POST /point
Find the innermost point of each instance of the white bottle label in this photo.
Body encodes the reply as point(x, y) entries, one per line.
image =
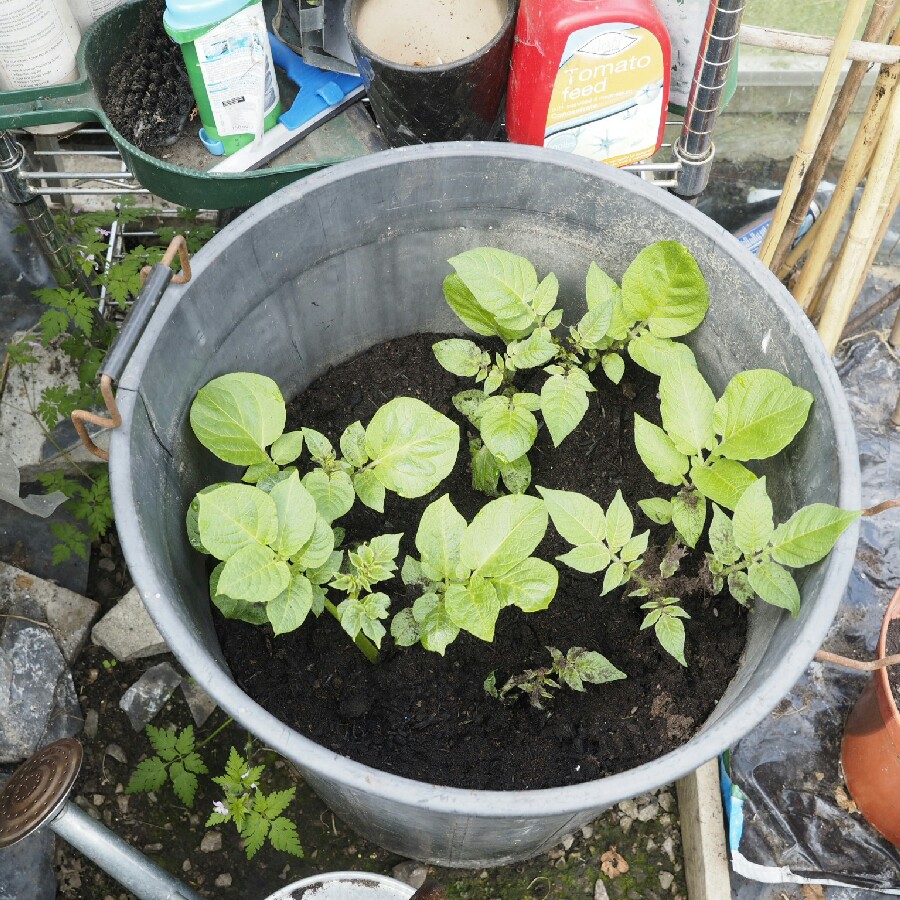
point(87, 12)
point(38, 41)
point(607, 98)
point(236, 63)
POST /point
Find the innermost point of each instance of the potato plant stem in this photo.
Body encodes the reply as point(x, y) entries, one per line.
point(370, 651)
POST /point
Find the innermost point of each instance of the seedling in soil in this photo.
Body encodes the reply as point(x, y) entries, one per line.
point(704, 443)
point(274, 537)
point(469, 572)
point(176, 760)
point(495, 293)
point(574, 669)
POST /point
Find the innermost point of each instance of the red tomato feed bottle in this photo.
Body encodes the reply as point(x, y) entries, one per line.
point(590, 77)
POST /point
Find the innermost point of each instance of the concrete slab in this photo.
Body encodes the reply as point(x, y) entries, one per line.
point(127, 630)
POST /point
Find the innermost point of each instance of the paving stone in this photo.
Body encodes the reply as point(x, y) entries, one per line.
point(147, 696)
point(127, 630)
point(201, 705)
point(26, 868)
point(411, 872)
point(68, 614)
point(38, 703)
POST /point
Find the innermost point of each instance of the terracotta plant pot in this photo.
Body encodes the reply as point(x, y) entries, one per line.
point(870, 752)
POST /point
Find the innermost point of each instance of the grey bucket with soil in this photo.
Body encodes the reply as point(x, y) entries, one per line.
point(354, 256)
point(435, 70)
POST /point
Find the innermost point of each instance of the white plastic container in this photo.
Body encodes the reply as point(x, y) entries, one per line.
point(87, 12)
point(38, 43)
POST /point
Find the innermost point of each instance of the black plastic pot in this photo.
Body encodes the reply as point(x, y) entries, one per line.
point(350, 257)
point(460, 101)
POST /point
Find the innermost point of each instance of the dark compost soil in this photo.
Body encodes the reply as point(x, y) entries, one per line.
point(892, 646)
point(148, 95)
point(427, 717)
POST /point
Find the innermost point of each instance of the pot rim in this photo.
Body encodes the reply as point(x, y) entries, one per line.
point(427, 70)
point(708, 743)
point(886, 702)
point(373, 879)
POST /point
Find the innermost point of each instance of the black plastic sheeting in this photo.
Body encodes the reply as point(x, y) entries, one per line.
point(794, 826)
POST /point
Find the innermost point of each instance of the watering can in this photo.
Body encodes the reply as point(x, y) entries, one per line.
point(37, 794)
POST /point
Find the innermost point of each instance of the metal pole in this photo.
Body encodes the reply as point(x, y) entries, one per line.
point(694, 148)
point(37, 218)
point(129, 867)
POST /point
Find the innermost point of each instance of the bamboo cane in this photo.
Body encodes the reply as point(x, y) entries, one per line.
point(877, 198)
point(858, 159)
point(887, 216)
point(883, 13)
point(814, 127)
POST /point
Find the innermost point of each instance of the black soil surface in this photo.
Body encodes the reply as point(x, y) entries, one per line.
point(147, 94)
point(892, 646)
point(427, 717)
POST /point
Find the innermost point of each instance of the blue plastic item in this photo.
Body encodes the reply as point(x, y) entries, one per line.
point(319, 89)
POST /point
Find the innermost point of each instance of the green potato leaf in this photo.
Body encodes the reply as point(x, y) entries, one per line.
point(287, 448)
point(774, 585)
point(320, 448)
point(237, 416)
point(615, 576)
point(508, 430)
point(587, 558)
point(613, 366)
point(669, 632)
point(657, 510)
point(810, 533)
point(462, 301)
point(254, 573)
point(258, 471)
point(353, 445)
point(485, 468)
point(687, 404)
point(516, 475)
point(531, 585)
point(440, 532)
point(473, 607)
point(564, 402)
point(412, 447)
point(459, 356)
point(594, 325)
point(333, 493)
point(723, 481)
point(289, 609)
point(665, 288)
point(655, 354)
point(545, 295)
point(619, 523)
point(753, 525)
point(689, 516)
point(600, 289)
point(535, 350)
point(318, 549)
point(404, 629)
point(369, 489)
point(296, 516)
point(658, 452)
point(721, 538)
point(254, 613)
point(233, 516)
point(577, 518)
point(759, 414)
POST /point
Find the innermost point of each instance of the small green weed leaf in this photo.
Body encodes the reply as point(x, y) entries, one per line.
point(545, 295)
point(564, 402)
point(254, 832)
point(619, 522)
point(613, 366)
point(753, 525)
point(577, 518)
point(164, 741)
point(254, 573)
point(404, 629)
point(235, 516)
point(775, 585)
point(614, 577)
point(658, 452)
point(320, 448)
point(670, 634)
point(287, 447)
point(296, 517)
point(635, 548)
point(184, 743)
point(665, 288)
point(412, 447)
point(721, 538)
point(317, 550)
point(516, 475)
point(657, 510)
point(587, 558)
point(333, 493)
point(259, 470)
point(535, 350)
point(439, 535)
point(594, 325)
point(810, 533)
point(459, 356)
point(473, 607)
point(369, 489)
point(759, 414)
point(184, 783)
point(503, 534)
point(353, 445)
point(689, 516)
point(462, 301)
point(600, 289)
point(283, 836)
point(485, 468)
point(723, 481)
point(739, 587)
point(194, 763)
point(507, 430)
point(289, 609)
point(655, 353)
point(237, 416)
point(502, 283)
point(254, 613)
point(149, 775)
point(530, 586)
point(687, 404)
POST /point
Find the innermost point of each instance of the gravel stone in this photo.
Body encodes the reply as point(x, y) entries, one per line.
point(411, 873)
point(600, 892)
point(147, 696)
point(212, 842)
point(127, 631)
point(223, 880)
